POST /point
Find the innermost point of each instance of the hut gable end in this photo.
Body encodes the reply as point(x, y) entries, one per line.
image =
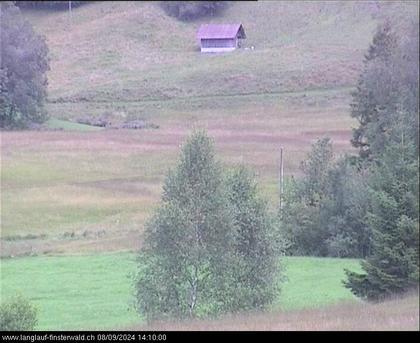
point(220, 37)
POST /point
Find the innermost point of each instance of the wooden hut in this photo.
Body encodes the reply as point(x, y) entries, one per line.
point(220, 37)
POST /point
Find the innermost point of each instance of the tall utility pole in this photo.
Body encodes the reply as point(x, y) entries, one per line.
point(281, 178)
point(70, 12)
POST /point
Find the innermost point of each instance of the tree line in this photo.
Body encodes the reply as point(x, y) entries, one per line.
point(190, 10)
point(366, 205)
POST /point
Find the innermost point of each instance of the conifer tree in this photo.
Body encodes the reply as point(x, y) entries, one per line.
point(376, 89)
point(393, 266)
point(302, 214)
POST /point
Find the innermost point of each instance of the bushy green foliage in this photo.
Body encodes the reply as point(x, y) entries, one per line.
point(24, 63)
point(375, 88)
point(190, 10)
point(316, 169)
point(327, 211)
point(17, 314)
point(393, 266)
point(389, 83)
point(301, 216)
point(258, 244)
point(345, 210)
point(391, 136)
point(324, 210)
point(187, 254)
point(201, 250)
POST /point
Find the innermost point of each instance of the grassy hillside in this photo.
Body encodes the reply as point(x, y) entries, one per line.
point(111, 54)
point(94, 291)
point(86, 190)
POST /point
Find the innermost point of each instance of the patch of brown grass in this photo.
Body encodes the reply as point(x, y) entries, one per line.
point(81, 243)
point(392, 315)
point(59, 181)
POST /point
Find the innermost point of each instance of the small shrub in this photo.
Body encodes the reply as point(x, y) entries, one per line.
point(18, 314)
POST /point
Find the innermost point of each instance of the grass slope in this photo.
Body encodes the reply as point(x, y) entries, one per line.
point(94, 291)
point(73, 292)
point(129, 60)
point(112, 54)
point(54, 123)
point(314, 282)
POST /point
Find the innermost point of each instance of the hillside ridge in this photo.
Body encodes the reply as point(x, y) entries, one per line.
point(133, 51)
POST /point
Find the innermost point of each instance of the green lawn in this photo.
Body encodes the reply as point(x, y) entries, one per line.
point(54, 123)
point(315, 282)
point(94, 291)
point(73, 292)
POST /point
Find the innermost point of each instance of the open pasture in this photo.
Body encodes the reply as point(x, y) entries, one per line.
point(94, 291)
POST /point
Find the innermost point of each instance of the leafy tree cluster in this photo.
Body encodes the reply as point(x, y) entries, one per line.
point(190, 10)
point(23, 66)
point(390, 154)
point(324, 209)
point(393, 266)
point(210, 247)
point(17, 314)
point(368, 206)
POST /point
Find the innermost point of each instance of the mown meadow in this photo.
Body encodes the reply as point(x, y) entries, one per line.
point(94, 291)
